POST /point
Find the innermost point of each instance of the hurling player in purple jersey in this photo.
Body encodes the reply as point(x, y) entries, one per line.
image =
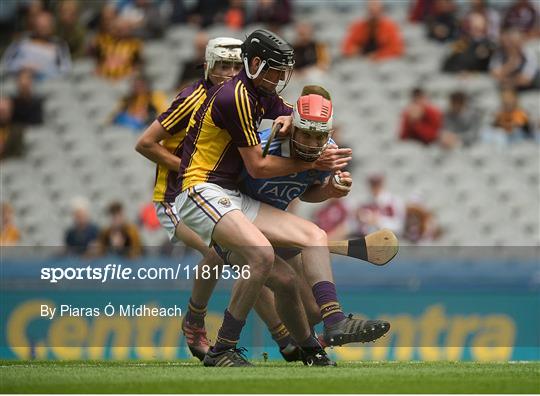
point(162, 142)
point(221, 139)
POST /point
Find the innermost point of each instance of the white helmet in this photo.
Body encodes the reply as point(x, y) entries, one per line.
point(312, 114)
point(225, 49)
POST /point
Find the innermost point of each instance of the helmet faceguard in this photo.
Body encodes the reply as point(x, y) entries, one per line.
point(277, 60)
point(312, 126)
point(224, 52)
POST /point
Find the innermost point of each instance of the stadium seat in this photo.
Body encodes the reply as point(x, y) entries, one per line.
point(477, 193)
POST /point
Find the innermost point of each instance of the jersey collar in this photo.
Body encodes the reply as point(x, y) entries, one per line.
point(207, 84)
point(248, 82)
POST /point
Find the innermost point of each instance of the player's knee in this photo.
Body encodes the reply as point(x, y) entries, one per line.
point(212, 259)
point(260, 261)
point(315, 236)
point(286, 282)
point(290, 283)
point(263, 255)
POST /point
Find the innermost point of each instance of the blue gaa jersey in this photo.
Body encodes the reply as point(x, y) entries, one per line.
point(280, 191)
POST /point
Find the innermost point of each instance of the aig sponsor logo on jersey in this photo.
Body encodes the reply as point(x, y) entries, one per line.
point(282, 191)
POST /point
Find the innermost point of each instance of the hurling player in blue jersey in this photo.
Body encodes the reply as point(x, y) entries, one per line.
point(310, 136)
point(306, 144)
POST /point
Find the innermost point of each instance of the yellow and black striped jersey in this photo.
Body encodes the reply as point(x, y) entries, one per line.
point(227, 118)
point(175, 121)
point(117, 58)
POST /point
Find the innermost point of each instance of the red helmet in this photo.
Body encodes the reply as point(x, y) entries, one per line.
point(312, 120)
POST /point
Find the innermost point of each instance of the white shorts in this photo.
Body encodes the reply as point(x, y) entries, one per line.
point(168, 217)
point(202, 206)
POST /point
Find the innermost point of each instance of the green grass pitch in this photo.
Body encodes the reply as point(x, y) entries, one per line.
point(271, 377)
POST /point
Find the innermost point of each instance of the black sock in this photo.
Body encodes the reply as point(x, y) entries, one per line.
point(281, 335)
point(310, 343)
point(229, 333)
point(195, 314)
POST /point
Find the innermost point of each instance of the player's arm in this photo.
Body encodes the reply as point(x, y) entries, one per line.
point(329, 189)
point(172, 121)
point(233, 110)
point(274, 166)
point(280, 111)
point(149, 146)
point(271, 165)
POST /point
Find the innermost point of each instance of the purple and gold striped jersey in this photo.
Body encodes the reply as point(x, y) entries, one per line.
point(117, 57)
point(227, 119)
point(175, 121)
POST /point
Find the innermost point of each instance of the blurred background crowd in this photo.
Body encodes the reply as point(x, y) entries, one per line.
point(439, 100)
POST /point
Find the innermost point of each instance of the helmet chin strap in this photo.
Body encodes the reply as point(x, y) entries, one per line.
point(261, 90)
point(256, 74)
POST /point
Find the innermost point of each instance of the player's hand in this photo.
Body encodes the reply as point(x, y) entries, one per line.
point(341, 183)
point(333, 159)
point(286, 121)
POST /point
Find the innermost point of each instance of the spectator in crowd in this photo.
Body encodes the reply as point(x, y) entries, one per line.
point(192, 69)
point(522, 16)
point(443, 25)
point(421, 120)
point(179, 12)
point(70, 29)
point(473, 51)
point(11, 134)
point(461, 124)
point(148, 217)
point(145, 16)
point(140, 106)
point(40, 51)
point(27, 107)
point(120, 237)
point(28, 13)
point(9, 233)
point(118, 53)
point(491, 16)
point(376, 37)
point(511, 123)
point(333, 219)
point(420, 10)
point(205, 13)
point(273, 13)
point(384, 210)
point(82, 235)
point(235, 16)
point(311, 56)
point(420, 225)
point(105, 22)
point(513, 65)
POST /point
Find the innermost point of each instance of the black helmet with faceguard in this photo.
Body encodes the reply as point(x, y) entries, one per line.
point(275, 54)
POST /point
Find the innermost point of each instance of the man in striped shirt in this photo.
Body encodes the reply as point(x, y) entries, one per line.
point(118, 53)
